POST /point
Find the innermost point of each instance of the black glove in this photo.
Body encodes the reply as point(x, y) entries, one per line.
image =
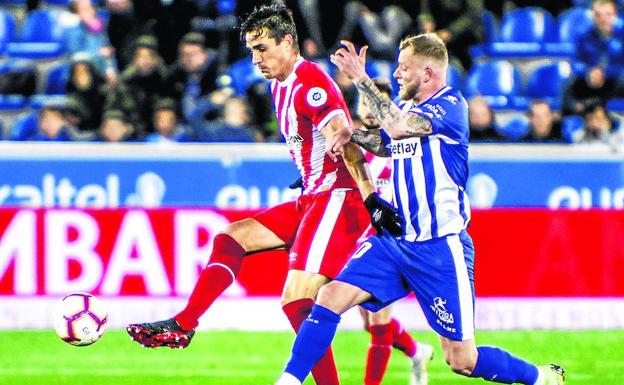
point(296, 184)
point(383, 215)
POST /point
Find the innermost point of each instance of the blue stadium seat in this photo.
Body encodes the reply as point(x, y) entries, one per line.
point(515, 128)
point(39, 101)
point(490, 27)
point(570, 125)
point(7, 29)
point(571, 24)
point(547, 82)
point(12, 102)
point(498, 81)
point(523, 32)
point(24, 127)
point(244, 74)
point(455, 77)
point(41, 36)
point(56, 82)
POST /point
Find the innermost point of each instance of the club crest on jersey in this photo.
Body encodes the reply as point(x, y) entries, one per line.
point(294, 140)
point(316, 96)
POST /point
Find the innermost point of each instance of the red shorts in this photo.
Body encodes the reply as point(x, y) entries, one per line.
point(320, 230)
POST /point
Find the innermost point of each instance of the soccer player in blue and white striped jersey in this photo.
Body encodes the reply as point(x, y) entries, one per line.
point(427, 138)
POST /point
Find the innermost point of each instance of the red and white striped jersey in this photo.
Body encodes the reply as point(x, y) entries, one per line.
point(381, 170)
point(304, 103)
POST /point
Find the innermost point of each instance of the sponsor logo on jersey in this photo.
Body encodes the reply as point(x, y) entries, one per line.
point(316, 96)
point(405, 148)
point(294, 140)
point(439, 308)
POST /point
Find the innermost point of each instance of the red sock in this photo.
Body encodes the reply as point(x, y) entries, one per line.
point(324, 372)
point(221, 270)
point(378, 353)
point(401, 339)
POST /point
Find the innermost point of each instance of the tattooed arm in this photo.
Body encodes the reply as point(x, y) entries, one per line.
point(337, 129)
point(390, 117)
point(371, 141)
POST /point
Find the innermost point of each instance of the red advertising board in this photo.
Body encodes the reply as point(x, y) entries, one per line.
point(519, 252)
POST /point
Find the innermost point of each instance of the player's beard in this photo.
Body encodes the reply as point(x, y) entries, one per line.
point(409, 91)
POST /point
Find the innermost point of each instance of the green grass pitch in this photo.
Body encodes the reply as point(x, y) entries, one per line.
point(256, 358)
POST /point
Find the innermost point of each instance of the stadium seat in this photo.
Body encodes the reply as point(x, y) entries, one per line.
point(41, 36)
point(25, 127)
point(515, 128)
point(38, 101)
point(56, 82)
point(243, 74)
point(498, 81)
point(548, 81)
point(570, 125)
point(12, 102)
point(490, 27)
point(7, 29)
point(571, 24)
point(455, 77)
point(522, 33)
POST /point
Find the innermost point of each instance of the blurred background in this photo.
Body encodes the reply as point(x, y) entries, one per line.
point(133, 131)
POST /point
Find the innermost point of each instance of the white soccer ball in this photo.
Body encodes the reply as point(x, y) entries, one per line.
point(80, 319)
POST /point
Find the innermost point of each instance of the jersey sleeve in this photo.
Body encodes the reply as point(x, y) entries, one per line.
point(448, 115)
point(320, 99)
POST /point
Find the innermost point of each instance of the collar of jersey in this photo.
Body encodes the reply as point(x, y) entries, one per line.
point(293, 75)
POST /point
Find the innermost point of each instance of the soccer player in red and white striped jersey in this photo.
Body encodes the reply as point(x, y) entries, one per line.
point(320, 229)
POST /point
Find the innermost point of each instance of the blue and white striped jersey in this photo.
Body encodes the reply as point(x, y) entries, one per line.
point(429, 173)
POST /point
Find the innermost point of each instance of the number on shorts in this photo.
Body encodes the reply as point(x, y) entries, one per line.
point(364, 248)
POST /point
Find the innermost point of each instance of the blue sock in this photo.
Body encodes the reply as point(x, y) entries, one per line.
point(313, 340)
point(496, 365)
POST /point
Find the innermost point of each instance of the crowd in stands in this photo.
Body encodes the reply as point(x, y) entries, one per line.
point(176, 70)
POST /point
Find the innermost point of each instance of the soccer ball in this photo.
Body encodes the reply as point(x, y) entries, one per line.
point(80, 319)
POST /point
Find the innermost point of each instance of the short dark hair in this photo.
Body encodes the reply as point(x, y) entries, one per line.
point(383, 84)
point(277, 19)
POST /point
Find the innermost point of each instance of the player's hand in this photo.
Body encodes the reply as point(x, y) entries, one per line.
point(335, 145)
point(383, 215)
point(350, 61)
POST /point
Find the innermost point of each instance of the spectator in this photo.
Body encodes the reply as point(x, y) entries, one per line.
point(595, 86)
point(87, 91)
point(603, 44)
point(125, 25)
point(457, 22)
point(192, 82)
point(233, 126)
point(89, 35)
point(383, 30)
point(543, 127)
point(166, 127)
point(481, 121)
point(141, 85)
point(326, 23)
point(53, 127)
point(599, 127)
point(114, 127)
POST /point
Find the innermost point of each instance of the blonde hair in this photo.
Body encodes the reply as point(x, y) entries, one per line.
point(427, 45)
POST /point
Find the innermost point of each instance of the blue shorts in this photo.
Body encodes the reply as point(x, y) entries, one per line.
point(439, 272)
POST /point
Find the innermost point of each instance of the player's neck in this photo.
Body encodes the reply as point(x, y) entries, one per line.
point(289, 68)
point(428, 90)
